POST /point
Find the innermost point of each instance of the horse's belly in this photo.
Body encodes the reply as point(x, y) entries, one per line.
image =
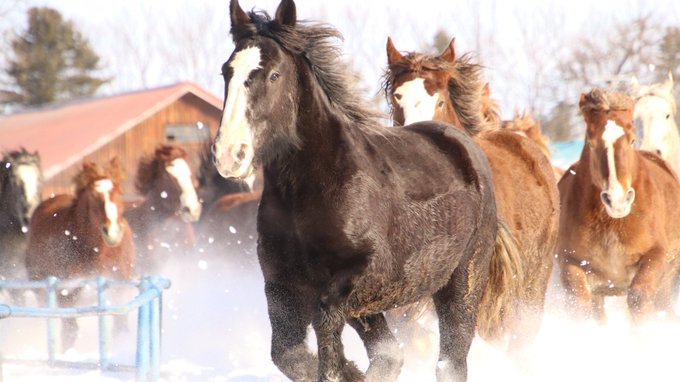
point(384, 287)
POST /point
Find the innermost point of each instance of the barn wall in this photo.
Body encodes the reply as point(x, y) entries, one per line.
point(142, 140)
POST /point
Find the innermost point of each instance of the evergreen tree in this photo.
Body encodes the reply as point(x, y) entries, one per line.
point(52, 61)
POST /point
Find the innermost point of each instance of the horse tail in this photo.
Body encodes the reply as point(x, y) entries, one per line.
point(502, 291)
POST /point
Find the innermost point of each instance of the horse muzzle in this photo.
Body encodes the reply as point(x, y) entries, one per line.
point(618, 204)
point(235, 161)
point(190, 214)
point(112, 234)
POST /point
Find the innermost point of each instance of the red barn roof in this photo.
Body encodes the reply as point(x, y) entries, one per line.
point(64, 133)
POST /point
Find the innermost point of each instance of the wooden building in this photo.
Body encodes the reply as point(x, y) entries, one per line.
point(128, 126)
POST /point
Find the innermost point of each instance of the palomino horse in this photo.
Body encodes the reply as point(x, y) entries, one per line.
point(82, 235)
point(655, 118)
point(161, 224)
point(20, 194)
point(449, 88)
point(355, 218)
point(618, 230)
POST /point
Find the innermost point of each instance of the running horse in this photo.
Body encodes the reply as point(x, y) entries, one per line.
point(449, 88)
point(655, 120)
point(20, 193)
point(355, 218)
point(161, 224)
point(618, 230)
point(82, 236)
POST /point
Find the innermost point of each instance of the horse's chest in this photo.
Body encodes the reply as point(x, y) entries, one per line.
point(611, 263)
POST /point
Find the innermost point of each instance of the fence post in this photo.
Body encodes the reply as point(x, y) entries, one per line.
point(51, 322)
point(142, 361)
point(101, 303)
point(155, 333)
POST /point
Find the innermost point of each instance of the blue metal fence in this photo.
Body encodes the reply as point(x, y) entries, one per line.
point(148, 304)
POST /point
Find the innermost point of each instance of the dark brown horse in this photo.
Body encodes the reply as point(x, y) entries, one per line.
point(161, 224)
point(619, 231)
point(82, 235)
point(20, 193)
point(449, 88)
point(354, 218)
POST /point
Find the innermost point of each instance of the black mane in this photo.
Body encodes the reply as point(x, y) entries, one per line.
point(313, 42)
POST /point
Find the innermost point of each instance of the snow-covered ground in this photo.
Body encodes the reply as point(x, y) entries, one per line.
point(215, 328)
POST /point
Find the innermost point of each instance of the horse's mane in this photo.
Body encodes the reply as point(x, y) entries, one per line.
point(491, 111)
point(150, 166)
point(465, 84)
point(313, 42)
point(601, 100)
point(92, 172)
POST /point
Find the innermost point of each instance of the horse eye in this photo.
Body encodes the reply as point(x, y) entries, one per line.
point(441, 104)
point(397, 96)
point(248, 82)
point(274, 76)
point(632, 142)
point(668, 116)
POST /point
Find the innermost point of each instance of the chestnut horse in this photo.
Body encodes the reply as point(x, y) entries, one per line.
point(449, 88)
point(354, 218)
point(161, 224)
point(619, 231)
point(654, 115)
point(20, 193)
point(82, 236)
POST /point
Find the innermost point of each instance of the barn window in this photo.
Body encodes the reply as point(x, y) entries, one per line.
point(187, 132)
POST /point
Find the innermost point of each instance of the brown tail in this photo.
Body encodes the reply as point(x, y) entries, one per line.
point(502, 291)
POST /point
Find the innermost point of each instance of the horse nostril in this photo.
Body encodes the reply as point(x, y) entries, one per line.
point(658, 152)
point(105, 230)
point(186, 210)
point(630, 195)
point(606, 199)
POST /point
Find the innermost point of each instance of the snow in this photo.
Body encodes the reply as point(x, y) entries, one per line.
point(215, 329)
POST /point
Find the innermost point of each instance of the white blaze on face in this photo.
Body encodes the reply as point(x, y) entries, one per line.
point(114, 231)
point(30, 180)
point(620, 205)
point(234, 150)
point(416, 104)
point(179, 169)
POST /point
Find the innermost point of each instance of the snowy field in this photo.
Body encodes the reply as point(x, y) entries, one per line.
point(215, 328)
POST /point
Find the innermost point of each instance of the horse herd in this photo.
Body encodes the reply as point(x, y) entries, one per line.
point(94, 232)
point(452, 207)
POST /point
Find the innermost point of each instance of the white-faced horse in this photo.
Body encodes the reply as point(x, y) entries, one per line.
point(655, 120)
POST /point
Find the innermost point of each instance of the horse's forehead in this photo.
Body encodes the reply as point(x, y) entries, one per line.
point(178, 167)
point(652, 104)
point(103, 186)
point(246, 60)
point(612, 132)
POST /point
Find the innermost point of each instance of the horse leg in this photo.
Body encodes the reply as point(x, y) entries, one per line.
point(290, 314)
point(578, 292)
point(646, 282)
point(598, 309)
point(69, 326)
point(384, 354)
point(457, 304)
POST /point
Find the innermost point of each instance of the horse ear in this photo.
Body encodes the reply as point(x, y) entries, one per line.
point(449, 54)
point(669, 82)
point(286, 13)
point(486, 91)
point(238, 16)
point(634, 85)
point(393, 54)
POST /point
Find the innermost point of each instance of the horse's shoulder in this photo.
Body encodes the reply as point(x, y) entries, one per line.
point(656, 160)
point(456, 143)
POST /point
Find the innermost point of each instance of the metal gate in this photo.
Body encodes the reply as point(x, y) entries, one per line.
point(148, 304)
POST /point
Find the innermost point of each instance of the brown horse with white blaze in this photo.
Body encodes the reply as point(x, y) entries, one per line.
point(450, 89)
point(618, 230)
point(82, 235)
